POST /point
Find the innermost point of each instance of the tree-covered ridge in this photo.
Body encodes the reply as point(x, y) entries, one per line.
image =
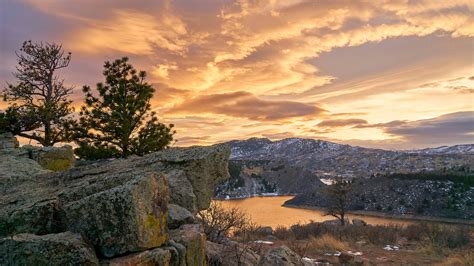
point(462, 175)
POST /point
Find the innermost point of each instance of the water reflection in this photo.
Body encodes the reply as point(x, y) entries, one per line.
point(267, 211)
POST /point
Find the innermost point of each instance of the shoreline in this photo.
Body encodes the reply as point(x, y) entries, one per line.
point(264, 195)
point(408, 217)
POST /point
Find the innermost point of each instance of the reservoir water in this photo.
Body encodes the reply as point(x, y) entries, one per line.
point(268, 211)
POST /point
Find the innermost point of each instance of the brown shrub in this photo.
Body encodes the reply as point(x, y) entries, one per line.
point(327, 243)
point(434, 234)
point(218, 222)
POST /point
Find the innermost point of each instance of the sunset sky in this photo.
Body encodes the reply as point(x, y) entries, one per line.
point(392, 74)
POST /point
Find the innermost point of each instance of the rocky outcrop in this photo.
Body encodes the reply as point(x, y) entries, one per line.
point(13, 168)
point(194, 240)
point(193, 173)
point(52, 158)
point(178, 216)
point(281, 256)
point(28, 161)
point(121, 207)
point(126, 218)
point(54, 249)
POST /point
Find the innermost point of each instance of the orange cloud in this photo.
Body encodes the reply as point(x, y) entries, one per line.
point(244, 104)
point(342, 122)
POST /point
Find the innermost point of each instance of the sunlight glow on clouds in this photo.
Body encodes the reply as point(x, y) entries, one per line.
point(237, 69)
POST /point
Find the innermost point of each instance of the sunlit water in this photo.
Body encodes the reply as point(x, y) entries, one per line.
point(268, 211)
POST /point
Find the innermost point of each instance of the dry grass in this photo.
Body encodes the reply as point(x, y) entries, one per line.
point(462, 259)
point(432, 235)
point(327, 243)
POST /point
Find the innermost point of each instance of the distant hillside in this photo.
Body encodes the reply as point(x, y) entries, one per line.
point(295, 165)
point(456, 149)
point(400, 196)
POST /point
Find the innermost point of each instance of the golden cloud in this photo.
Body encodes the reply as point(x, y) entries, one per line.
point(244, 104)
point(234, 61)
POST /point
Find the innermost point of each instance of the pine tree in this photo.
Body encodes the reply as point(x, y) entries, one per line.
point(119, 122)
point(16, 120)
point(39, 105)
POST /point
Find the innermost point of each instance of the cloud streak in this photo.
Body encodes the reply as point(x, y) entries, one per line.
point(450, 128)
point(247, 105)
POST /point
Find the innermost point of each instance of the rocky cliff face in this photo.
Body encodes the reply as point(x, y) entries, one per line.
point(253, 178)
point(115, 212)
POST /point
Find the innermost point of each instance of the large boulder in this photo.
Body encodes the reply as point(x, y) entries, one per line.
point(52, 158)
point(13, 168)
point(127, 218)
point(281, 256)
point(193, 172)
point(54, 249)
point(194, 240)
point(178, 216)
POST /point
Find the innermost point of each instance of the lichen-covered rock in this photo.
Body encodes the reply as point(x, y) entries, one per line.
point(194, 240)
point(182, 190)
point(178, 253)
point(119, 211)
point(43, 217)
point(281, 256)
point(52, 158)
point(54, 249)
point(201, 167)
point(119, 205)
point(14, 169)
point(126, 218)
point(152, 257)
point(178, 216)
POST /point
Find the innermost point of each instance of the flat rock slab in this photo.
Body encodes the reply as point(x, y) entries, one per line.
point(54, 249)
